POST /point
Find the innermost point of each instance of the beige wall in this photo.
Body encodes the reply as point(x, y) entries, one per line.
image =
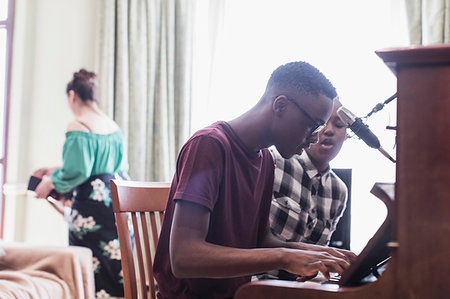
point(52, 39)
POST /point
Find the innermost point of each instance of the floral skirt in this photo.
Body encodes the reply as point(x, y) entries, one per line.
point(92, 224)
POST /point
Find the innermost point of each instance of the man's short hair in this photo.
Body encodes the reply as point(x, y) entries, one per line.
point(303, 77)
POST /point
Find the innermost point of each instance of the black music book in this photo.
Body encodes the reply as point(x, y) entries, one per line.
point(34, 182)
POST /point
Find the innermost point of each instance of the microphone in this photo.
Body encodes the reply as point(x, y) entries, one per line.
point(361, 130)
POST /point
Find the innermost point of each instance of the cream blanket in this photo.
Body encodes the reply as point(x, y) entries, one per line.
point(28, 271)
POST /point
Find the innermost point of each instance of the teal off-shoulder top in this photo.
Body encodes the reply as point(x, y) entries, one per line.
point(86, 154)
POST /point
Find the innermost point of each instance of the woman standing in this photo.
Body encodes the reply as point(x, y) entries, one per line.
point(93, 153)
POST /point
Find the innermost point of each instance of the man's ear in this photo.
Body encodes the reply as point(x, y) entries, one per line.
point(279, 105)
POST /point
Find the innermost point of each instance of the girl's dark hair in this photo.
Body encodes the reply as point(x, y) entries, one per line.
point(83, 85)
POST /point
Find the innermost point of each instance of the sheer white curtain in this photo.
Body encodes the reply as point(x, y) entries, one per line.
point(208, 35)
point(338, 37)
point(145, 79)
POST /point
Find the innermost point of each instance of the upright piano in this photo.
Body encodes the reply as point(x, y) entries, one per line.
point(418, 220)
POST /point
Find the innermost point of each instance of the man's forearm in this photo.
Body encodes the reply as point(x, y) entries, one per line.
point(215, 261)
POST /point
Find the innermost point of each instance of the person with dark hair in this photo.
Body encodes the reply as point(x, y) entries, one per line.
point(215, 233)
point(93, 153)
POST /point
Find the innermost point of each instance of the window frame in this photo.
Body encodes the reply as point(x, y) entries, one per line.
point(7, 24)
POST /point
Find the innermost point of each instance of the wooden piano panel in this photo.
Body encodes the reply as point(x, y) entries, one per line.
point(423, 176)
point(420, 266)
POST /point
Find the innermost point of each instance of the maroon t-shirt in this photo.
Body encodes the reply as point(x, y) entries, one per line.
point(216, 170)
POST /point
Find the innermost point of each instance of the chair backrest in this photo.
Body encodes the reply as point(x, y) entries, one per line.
point(142, 203)
point(341, 236)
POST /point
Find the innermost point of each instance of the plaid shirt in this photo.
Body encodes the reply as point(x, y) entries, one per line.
point(306, 205)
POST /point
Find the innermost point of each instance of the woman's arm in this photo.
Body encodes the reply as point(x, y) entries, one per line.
point(44, 171)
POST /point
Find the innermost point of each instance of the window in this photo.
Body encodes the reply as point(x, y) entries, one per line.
point(338, 37)
point(6, 30)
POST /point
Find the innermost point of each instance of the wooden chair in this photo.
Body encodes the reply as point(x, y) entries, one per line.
point(142, 203)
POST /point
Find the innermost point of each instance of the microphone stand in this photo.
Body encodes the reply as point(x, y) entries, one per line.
point(380, 106)
point(386, 154)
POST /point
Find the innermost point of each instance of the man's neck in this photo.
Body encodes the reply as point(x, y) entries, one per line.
point(252, 128)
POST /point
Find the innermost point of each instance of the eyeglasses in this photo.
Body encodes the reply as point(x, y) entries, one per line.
point(317, 126)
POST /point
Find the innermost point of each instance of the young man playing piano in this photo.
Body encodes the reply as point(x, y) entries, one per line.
point(308, 197)
point(215, 233)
